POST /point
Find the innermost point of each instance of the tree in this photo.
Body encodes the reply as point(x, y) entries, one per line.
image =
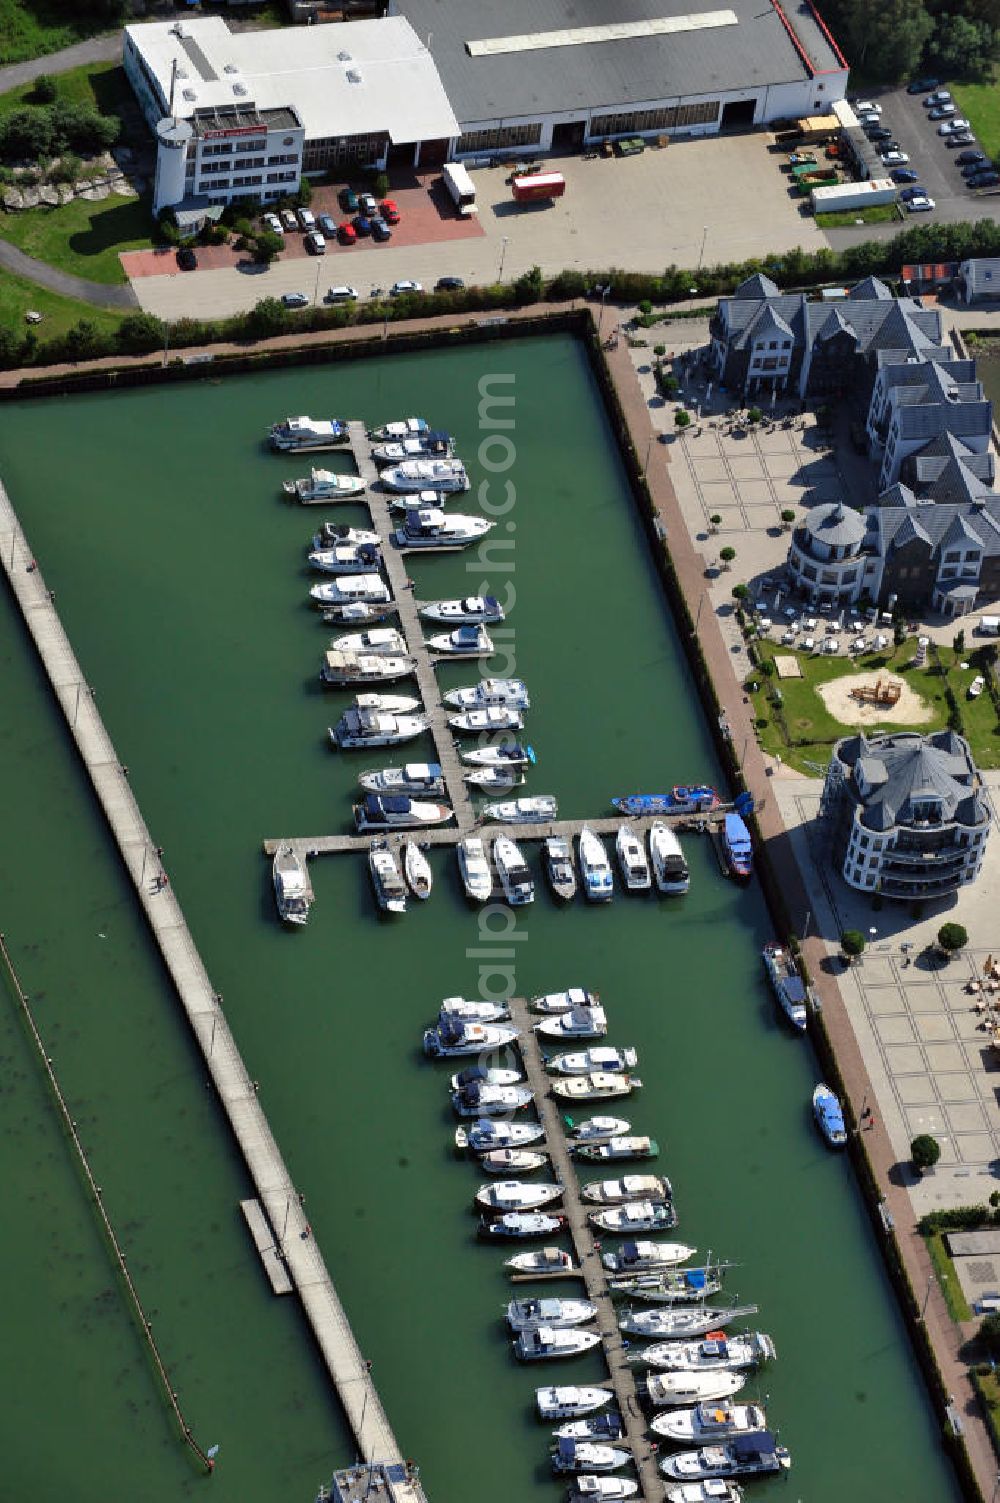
point(727, 555)
point(11, 347)
point(44, 91)
point(381, 185)
point(787, 517)
point(140, 332)
point(989, 1334)
point(952, 937)
point(887, 40)
point(715, 520)
point(754, 415)
point(26, 134)
point(958, 642)
point(740, 592)
point(682, 418)
point(83, 341)
point(924, 1151)
point(852, 942)
point(529, 286)
point(304, 193)
point(963, 47)
point(268, 317)
point(267, 246)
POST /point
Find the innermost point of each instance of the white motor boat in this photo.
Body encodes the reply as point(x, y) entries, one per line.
point(390, 889)
point(489, 1136)
point(469, 610)
point(300, 435)
point(526, 1314)
point(571, 1455)
point(597, 1129)
point(615, 1192)
point(578, 1023)
point(670, 870)
point(502, 693)
point(486, 721)
point(453, 1039)
point(557, 859)
point(340, 668)
point(512, 869)
point(632, 861)
point(605, 1427)
point(335, 535)
point(505, 755)
point(570, 1402)
point(535, 809)
point(429, 527)
point(713, 1353)
point(787, 985)
point(447, 475)
point(512, 1160)
point(553, 1003)
point(370, 589)
point(463, 642)
point(383, 641)
point(666, 1390)
point(324, 485)
point(677, 1324)
point(398, 451)
point(590, 1487)
point(292, 892)
point(647, 1257)
point(712, 1490)
point(638, 1147)
point(598, 1086)
point(372, 728)
point(756, 1455)
point(495, 779)
point(635, 1216)
point(382, 811)
point(417, 870)
point(505, 1195)
point(708, 1422)
point(543, 1260)
point(595, 868)
point(412, 777)
point(346, 558)
point(477, 877)
point(399, 429)
point(485, 1075)
point(521, 1224)
point(543, 1342)
point(434, 499)
point(490, 1101)
point(585, 1061)
point(391, 704)
point(359, 613)
point(474, 1012)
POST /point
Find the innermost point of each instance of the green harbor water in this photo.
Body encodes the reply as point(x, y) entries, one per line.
point(181, 579)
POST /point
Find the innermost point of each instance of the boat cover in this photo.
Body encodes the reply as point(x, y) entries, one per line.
point(377, 805)
point(749, 1447)
point(694, 1278)
point(794, 988)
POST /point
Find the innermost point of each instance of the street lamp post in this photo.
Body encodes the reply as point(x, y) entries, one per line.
point(927, 1295)
point(701, 253)
point(503, 252)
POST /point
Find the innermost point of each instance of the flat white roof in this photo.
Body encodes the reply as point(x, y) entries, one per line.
point(343, 79)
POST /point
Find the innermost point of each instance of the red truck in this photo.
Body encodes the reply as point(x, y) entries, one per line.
point(538, 187)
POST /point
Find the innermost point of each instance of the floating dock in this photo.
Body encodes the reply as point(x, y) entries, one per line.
point(266, 1245)
point(237, 1093)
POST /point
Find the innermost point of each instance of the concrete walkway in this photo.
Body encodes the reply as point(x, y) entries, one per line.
point(63, 282)
point(102, 49)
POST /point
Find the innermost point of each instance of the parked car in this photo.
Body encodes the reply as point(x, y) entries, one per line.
point(895, 158)
point(295, 300)
point(390, 211)
point(959, 138)
point(964, 158)
point(903, 175)
point(288, 220)
point(984, 179)
point(380, 230)
point(869, 119)
point(877, 133)
point(449, 284)
point(951, 127)
point(399, 288)
point(942, 112)
point(306, 218)
point(342, 294)
point(348, 200)
point(273, 223)
point(368, 204)
point(940, 96)
point(973, 169)
point(922, 85)
point(866, 107)
point(328, 225)
point(315, 243)
point(911, 193)
point(346, 233)
point(362, 224)
point(186, 258)
point(920, 205)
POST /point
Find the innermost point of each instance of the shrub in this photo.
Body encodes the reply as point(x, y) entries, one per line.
point(715, 519)
point(682, 418)
point(788, 516)
point(645, 307)
point(761, 722)
point(381, 188)
point(529, 286)
point(66, 170)
point(924, 1151)
point(304, 193)
point(952, 937)
point(852, 943)
point(267, 246)
point(45, 90)
point(727, 554)
point(268, 317)
point(659, 350)
point(138, 333)
point(243, 228)
point(754, 415)
point(740, 592)
point(667, 383)
point(958, 642)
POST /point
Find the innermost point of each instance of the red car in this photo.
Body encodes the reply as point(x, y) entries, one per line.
point(390, 211)
point(346, 233)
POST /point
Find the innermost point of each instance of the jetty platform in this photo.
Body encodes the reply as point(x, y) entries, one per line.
point(550, 1113)
point(237, 1092)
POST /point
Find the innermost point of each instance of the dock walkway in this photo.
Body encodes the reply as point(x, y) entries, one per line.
point(237, 1092)
point(622, 1375)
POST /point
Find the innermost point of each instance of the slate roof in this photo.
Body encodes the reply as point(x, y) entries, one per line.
point(981, 276)
point(899, 324)
point(835, 524)
point(869, 287)
point(946, 469)
point(905, 768)
point(892, 527)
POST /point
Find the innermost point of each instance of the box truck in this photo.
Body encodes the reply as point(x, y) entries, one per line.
point(846, 196)
point(461, 187)
point(540, 187)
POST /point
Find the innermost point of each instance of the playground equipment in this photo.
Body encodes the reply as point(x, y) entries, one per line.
point(884, 693)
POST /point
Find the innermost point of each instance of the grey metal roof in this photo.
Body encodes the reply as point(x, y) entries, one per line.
point(913, 768)
point(868, 288)
point(835, 524)
point(982, 276)
point(607, 74)
point(900, 324)
point(895, 526)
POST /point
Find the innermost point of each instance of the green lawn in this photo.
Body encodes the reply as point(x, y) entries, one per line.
point(989, 1390)
point(813, 730)
point(103, 86)
point(980, 104)
point(958, 1307)
point(82, 237)
point(31, 28)
point(58, 313)
point(877, 214)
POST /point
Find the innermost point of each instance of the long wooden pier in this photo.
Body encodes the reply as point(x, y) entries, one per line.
point(550, 1114)
point(237, 1092)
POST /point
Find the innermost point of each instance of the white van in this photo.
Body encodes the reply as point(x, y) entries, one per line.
point(988, 626)
point(306, 218)
point(315, 242)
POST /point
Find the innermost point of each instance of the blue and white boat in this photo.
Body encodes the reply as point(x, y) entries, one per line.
point(306, 434)
point(683, 798)
point(400, 428)
point(789, 988)
point(829, 1116)
point(737, 847)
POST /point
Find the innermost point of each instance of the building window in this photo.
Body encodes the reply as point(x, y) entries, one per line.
point(248, 162)
point(213, 185)
point(635, 122)
point(217, 149)
point(282, 177)
point(498, 137)
point(246, 182)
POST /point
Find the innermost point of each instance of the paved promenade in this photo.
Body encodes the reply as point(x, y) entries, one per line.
point(237, 1092)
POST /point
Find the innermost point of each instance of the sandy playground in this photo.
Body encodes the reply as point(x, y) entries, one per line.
point(838, 697)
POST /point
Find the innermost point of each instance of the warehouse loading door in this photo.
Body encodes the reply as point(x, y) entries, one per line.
point(738, 114)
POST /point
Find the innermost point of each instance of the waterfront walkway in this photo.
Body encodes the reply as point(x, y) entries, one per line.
point(550, 1113)
point(237, 1092)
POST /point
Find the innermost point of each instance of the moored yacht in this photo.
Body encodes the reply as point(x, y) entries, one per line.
point(305, 434)
point(597, 1129)
point(359, 613)
point(390, 889)
point(552, 1003)
point(585, 1061)
point(543, 1342)
point(618, 1148)
point(512, 869)
point(578, 1023)
point(533, 810)
point(632, 861)
point(608, 1426)
point(334, 535)
point(641, 1257)
point(453, 1039)
point(712, 1490)
point(737, 847)
point(570, 1455)
point(429, 527)
point(829, 1115)
point(447, 475)
point(370, 589)
point(340, 668)
point(670, 1286)
point(417, 870)
point(430, 445)
point(346, 558)
point(398, 429)
point(590, 1487)
point(412, 777)
point(708, 1422)
point(490, 1101)
point(474, 1012)
point(502, 693)
point(557, 861)
point(383, 641)
point(292, 892)
point(787, 985)
point(505, 1195)
point(380, 811)
point(676, 1323)
point(474, 868)
point(684, 798)
point(755, 1455)
point(522, 1224)
point(485, 1075)
point(598, 1086)
point(635, 1216)
point(595, 868)
point(391, 704)
point(614, 1192)
point(543, 1260)
point(569, 1401)
point(494, 779)
point(670, 870)
point(463, 642)
point(667, 1390)
point(488, 1135)
point(373, 728)
point(324, 485)
point(486, 721)
point(512, 1160)
point(749, 1350)
point(467, 610)
point(506, 754)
